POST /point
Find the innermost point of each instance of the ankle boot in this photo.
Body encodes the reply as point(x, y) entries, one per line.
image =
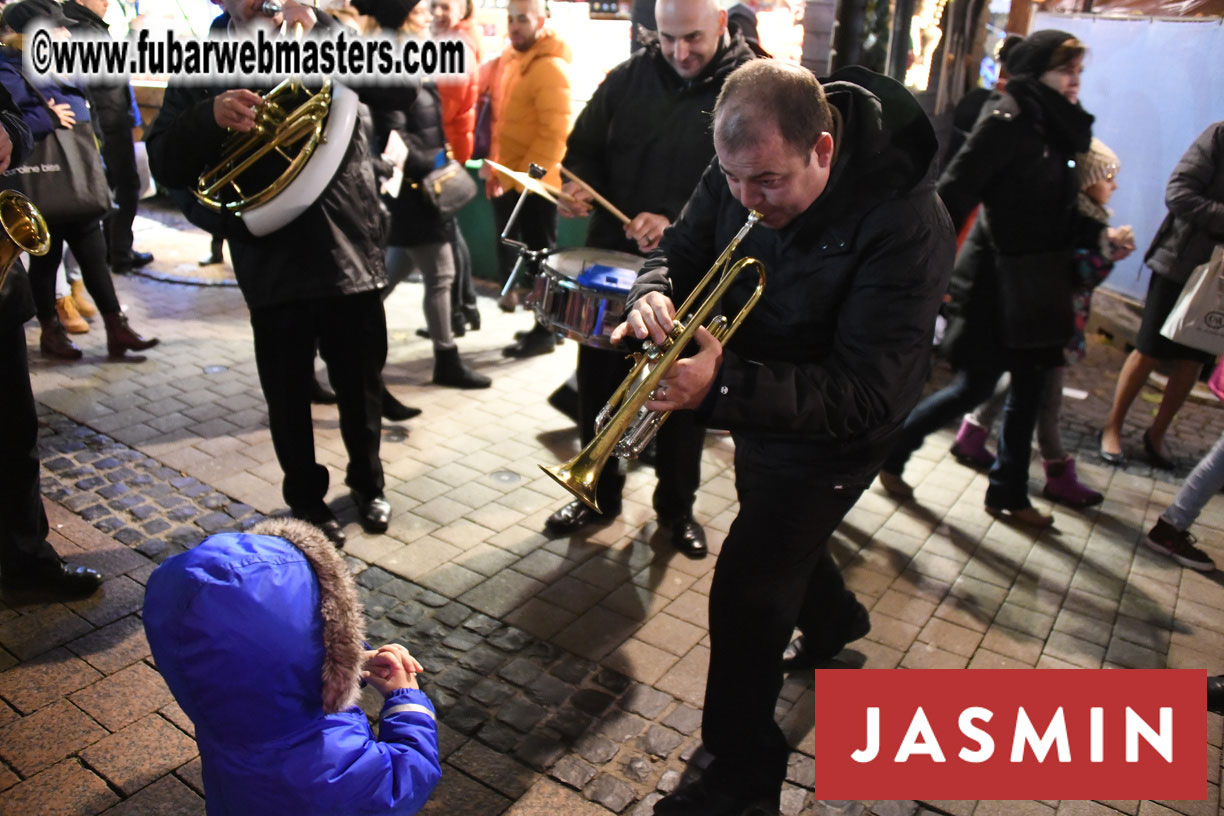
point(970, 445)
point(121, 338)
point(458, 324)
point(72, 321)
point(1063, 486)
point(54, 341)
point(449, 370)
point(83, 304)
point(395, 410)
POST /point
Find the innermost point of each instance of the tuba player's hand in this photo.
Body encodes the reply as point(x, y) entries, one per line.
point(235, 109)
point(297, 14)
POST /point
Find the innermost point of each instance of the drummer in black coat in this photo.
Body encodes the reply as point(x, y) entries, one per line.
point(643, 141)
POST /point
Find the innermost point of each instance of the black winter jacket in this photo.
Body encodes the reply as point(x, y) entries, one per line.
point(645, 137)
point(417, 117)
point(333, 248)
point(1027, 190)
point(1195, 198)
point(824, 371)
point(110, 103)
point(16, 303)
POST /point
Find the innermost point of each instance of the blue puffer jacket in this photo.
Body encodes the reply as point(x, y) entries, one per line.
point(259, 637)
point(33, 108)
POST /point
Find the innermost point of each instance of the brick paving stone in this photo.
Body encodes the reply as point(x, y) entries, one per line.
point(67, 789)
point(620, 726)
point(547, 798)
point(44, 680)
point(596, 749)
point(573, 772)
point(30, 635)
point(140, 753)
point(47, 736)
point(459, 793)
point(660, 741)
point(123, 697)
point(539, 751)
point(647, 701)
point(521, 714)
point(549, 691)
point(500, 772)
point(684, 719)
point(165, 797)
point(614, 794)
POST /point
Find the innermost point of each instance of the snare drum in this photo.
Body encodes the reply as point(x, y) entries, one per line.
point(581, 293)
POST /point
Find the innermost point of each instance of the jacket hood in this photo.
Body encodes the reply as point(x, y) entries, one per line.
point(257, 634)
point(548, 44)
point(885, 137)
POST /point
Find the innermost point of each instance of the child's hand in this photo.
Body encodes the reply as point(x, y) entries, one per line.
point(1121, 242)
point(391, 668)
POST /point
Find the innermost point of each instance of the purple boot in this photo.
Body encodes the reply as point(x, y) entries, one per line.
point(1063, 486)
point(970, 446)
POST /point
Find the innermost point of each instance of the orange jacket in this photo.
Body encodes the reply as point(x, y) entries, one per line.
point(531, 107)
point(459, 96)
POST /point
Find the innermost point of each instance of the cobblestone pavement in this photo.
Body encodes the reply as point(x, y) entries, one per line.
point(568, 673)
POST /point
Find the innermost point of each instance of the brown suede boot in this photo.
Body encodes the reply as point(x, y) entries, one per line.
point(83, 304)
point(54, 341)
point(71, 320)
point(121, 338)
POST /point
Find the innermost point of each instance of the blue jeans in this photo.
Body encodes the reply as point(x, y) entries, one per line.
point(1009, 477)
point(1203, 482)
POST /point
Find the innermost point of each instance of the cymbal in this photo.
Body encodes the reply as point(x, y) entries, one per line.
point(530, 184)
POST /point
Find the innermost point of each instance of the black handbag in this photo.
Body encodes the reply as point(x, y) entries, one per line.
point(1035, 306)
point(448, 188)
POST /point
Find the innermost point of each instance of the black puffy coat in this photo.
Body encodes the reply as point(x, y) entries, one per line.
point(110, 103)
point(333, 248)
point(645, 137)
point(1027, 188)
point(417, 117)
point(823, 372)
point(1195, 198)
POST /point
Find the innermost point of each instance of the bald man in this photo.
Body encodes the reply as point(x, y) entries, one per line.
point(643, 141)
point(815, 384)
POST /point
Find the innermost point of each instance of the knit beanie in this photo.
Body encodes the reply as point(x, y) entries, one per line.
point(1031, 56)
point(1098, 164)
point(18, 15)
point(389, 13)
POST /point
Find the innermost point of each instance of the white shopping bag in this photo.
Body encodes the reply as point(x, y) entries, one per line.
point(1197, 319)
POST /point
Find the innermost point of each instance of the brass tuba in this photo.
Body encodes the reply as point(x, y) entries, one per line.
point(271, 174)
point(624, 427)
point(24, 230)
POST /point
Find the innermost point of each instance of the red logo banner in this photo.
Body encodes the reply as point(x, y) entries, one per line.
point(1010, 734)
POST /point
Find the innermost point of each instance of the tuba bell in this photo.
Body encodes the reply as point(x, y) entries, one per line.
point(271, 174)
point(624, 427)
point(24, 230)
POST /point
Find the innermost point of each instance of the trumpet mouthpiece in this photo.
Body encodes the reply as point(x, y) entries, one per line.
point(269, 8)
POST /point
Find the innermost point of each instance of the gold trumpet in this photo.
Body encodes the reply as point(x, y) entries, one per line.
point(624, 427)
point(24, 230)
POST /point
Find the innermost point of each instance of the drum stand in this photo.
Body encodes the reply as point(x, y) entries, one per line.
point(525, 253)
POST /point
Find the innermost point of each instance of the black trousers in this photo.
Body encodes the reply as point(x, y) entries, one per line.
point(678, 446)
point(536, 226)
point(119, 153)
point(774, 573)
point(89, 246)
point(23, 521)
point(463, 290)
point(350, 332)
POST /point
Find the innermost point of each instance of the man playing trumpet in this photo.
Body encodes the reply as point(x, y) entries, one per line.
point(313, 282)
point(814, 385)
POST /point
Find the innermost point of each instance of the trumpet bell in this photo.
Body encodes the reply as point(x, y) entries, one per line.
point(579, 477)
point(25, 230)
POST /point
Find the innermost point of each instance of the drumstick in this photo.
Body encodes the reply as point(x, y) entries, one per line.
point(607, 205)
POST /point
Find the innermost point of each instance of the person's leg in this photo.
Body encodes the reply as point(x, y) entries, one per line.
point(760, 586)
point(1049, 413)
point(968, 389)
point(1182, 378)
point(1204, 481)
point(399, 267)
point(678, 467)
point(353, 344)
point(42, 270)
point(1009, 477)
point(988, 412)
point(436, 262)
point(1134, 373)
point(89, 246)
point(285, 337)
point(120, 155)
point(465, 286)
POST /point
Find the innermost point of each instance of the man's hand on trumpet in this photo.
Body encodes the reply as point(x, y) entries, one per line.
point(690, 378)
point(646, 228)
point(294, 14)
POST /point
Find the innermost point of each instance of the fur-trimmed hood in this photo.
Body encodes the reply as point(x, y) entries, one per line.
point(258, 634)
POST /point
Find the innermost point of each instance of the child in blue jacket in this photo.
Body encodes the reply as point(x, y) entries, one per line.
point(259, 636)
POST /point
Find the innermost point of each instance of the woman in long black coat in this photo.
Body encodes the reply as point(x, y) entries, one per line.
point(1019, 165)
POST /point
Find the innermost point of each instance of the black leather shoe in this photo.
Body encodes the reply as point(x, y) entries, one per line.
point(1215, 694)
point(472, 316)
point(531, 344)
point(49, 580)
point(574, 516)
point(698, 799)
point(1115, 459)
point(1153, 456)
point(802, 655)
point(395, 410)
point(688, 537)
point(321, 394)
point(125, 262)
point(374, 511)
point(323, 518)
